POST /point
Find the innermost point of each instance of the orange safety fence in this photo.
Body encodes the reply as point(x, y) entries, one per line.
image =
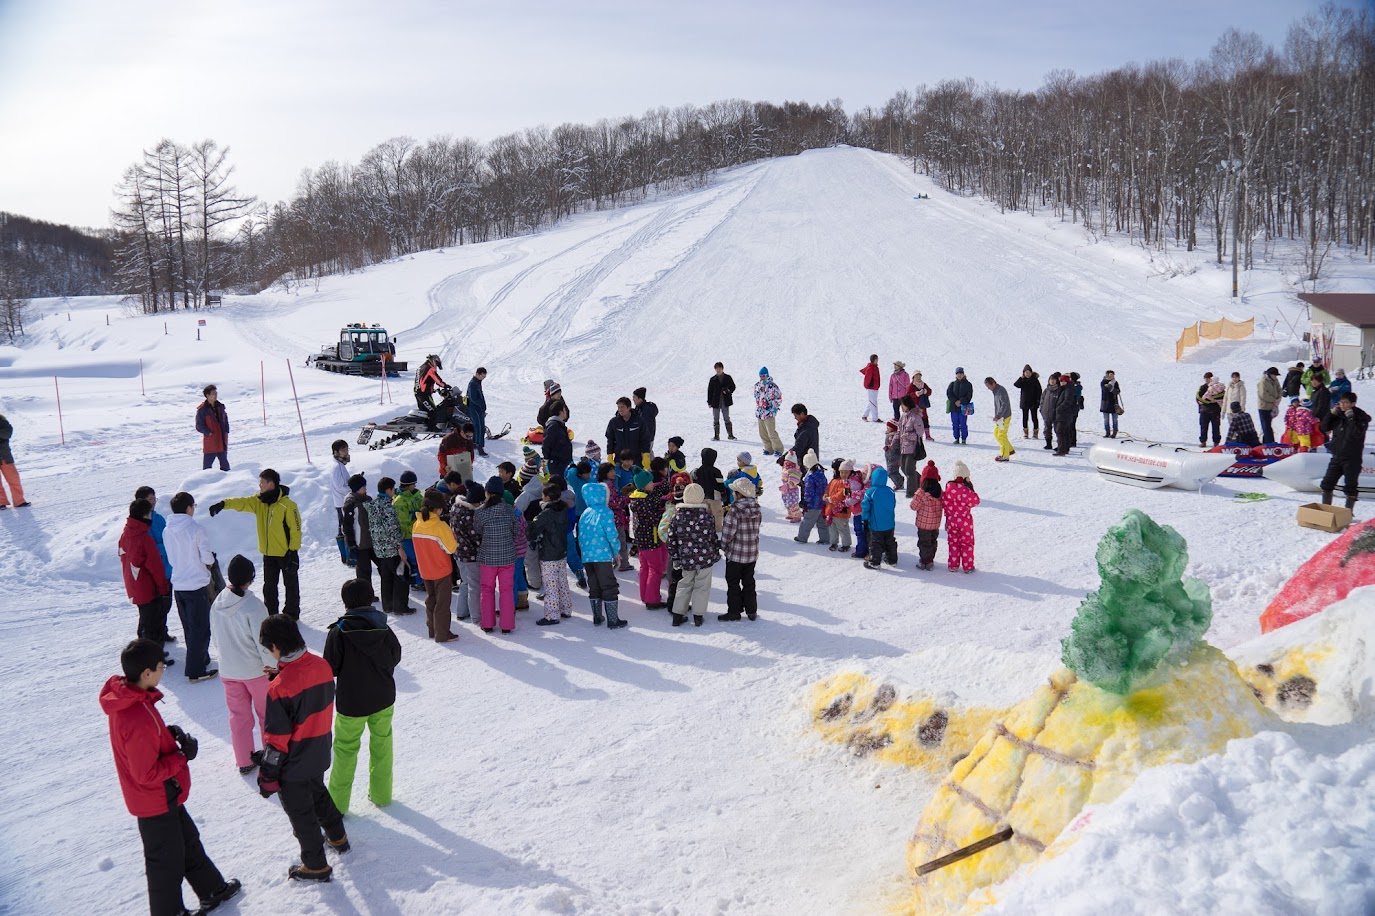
point(1213, 330)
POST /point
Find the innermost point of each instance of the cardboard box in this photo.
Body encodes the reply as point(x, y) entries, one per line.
point(1324, 518)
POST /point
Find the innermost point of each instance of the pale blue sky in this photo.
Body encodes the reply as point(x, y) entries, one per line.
point(288, 84)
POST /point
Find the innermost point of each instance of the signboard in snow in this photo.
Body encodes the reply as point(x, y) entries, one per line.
point(1347, 335)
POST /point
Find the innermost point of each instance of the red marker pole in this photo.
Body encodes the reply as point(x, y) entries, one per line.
point(299, 419)
point(61, 432)
point(141, 388)
point(262, 386)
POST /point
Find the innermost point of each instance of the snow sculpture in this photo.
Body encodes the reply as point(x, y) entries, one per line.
point(1344, 564)
point(1143, 611)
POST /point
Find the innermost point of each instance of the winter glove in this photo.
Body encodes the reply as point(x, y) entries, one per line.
point(293, 559)
point(270, 772)
point(216, 508)
point(189, 745)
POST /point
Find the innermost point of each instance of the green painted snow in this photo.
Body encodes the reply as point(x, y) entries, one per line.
point(1144, 610)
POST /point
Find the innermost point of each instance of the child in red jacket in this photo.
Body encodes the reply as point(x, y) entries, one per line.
point(298, 738)
point(152, 759)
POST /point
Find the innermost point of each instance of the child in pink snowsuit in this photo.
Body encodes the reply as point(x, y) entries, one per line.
point(791, 487)
point(958, 500)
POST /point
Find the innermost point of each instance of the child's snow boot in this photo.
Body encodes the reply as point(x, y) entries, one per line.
point(522, 601)
point(613, 619)
point(340, 845)
point(596, 611)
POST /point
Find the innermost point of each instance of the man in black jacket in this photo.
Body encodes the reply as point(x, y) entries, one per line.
point(649, 416)
point(363, 652)
point(1345, 429)
point(625, 430)
point(557, 448)
point(719, 392)
point(808, 434)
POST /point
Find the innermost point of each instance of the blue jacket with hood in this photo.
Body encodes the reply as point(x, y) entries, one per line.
point(598, 539)
point(879, 508)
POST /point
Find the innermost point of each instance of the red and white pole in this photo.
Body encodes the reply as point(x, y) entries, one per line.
point(299, 418)
point(61, 432)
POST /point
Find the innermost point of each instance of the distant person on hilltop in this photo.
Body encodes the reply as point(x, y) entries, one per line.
point(720, 389)
point(8, 470)
point(212, 422)
point(1029, 384)
point(871, 386)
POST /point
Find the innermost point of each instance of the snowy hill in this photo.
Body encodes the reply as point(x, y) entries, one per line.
point(652, 769)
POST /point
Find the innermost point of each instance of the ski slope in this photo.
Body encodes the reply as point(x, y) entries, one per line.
point(568, 769)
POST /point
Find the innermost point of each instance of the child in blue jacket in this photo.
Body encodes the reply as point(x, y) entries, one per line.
point(879, 511)
point(813, 501)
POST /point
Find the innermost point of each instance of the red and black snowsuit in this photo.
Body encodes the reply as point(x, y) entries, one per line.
point(145, 580)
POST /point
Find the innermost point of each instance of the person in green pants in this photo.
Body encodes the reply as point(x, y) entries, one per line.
point(363, 652)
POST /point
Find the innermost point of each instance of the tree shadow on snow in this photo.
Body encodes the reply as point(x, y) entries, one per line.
point(641, 642)
point(386, 860)
point(1030, 588)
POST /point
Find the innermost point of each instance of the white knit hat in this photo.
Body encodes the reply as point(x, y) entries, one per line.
point(810, 460)
point(960, 470)
point(693, 495)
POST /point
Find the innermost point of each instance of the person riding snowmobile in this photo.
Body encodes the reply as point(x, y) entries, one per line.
point(428, 382)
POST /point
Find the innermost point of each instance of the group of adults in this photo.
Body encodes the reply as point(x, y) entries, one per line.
point(1311, 387)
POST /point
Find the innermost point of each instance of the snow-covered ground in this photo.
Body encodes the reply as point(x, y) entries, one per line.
point(652, 769)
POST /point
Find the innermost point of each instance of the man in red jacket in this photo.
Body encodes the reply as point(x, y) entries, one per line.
point(300, 711)
point(212, 422)
point(871, 383)
point(145, 581)
point(152, 762)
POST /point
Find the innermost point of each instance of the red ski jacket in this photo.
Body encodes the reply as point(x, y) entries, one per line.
point(300, 711)
point(213, 425)
point(144, 577)
point(146, 754)
point(870, 373)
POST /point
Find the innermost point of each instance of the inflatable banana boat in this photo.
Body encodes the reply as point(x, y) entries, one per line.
point(1152, 466)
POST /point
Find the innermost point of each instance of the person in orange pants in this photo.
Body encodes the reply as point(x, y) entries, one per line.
point(8, 470)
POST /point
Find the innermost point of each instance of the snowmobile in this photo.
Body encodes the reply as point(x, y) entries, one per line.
point(420, 423)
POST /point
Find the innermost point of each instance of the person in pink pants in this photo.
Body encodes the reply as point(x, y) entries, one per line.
point(500, 579)
point(235, 618)
point(958, 501)
point(495, 525)
point(653, 566)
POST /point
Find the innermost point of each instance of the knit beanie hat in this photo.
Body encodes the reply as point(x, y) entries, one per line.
point(743, 486)
point(744, 458)
point(593, 451)
point(693, 495)
point(930, 472)
point(639, 393)
point(357, 482)
point(763, 370)
point(473, 493)
point(643, 479)
point(676, 440)
point(892, 425)
point(531, 466)
point(961, 470)
point(494, 486)
point(508, 498)
point(847, 465)
point(240, 570)
point(407, 477)
point(553, 388)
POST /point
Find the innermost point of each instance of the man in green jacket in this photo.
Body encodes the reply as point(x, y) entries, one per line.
point(279, 538)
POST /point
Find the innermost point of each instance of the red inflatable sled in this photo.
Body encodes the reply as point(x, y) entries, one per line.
point(1326, 578)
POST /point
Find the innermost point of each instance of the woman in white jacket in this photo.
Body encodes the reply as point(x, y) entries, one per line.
point(235, 618)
